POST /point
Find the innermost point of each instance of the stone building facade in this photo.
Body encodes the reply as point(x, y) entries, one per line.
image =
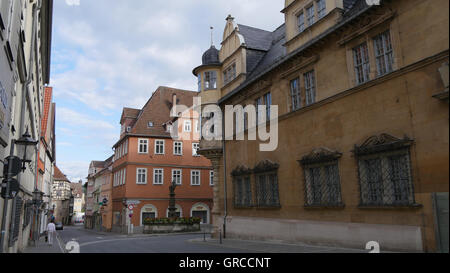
point(61, 197)
point(362, 154)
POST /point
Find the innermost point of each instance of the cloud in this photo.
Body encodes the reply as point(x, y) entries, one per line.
point(110, 54)
point(73, 2)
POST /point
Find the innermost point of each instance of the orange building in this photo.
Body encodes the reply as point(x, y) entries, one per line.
point(148, 159)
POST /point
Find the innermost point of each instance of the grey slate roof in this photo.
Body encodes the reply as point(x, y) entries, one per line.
point(271, 45)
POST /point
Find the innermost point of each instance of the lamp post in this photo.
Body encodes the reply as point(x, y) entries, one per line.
point(37, 202)
point(11, 167)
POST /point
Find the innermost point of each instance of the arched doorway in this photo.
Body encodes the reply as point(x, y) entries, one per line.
point(200, 210)
point(148, 211)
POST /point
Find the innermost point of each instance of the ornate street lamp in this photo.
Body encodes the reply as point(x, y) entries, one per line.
point(22, 143)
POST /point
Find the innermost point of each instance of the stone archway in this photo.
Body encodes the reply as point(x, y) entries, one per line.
point(202, 211)
point(148, 210)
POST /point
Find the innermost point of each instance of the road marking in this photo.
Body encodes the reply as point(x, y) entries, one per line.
point(59, 243)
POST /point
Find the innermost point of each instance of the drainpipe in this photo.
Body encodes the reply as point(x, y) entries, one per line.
point(224, 177)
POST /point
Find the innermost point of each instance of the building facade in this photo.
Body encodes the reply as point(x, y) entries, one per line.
point(46, 155)
point(92, 195)
point(61, 197)
point(362, 125)
point(25, 39)
point(148, 159)
point(78, 202)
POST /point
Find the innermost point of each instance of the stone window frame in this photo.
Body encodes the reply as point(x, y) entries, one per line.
point(320, 159)
point(387, 23)
point(195, 154)
point(229, 73)
point(310, 87)
point(211, 178)
point(242, 187)
point(266, 169)
point(384, 148)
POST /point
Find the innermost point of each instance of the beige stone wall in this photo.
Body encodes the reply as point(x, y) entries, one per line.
point(345, 115)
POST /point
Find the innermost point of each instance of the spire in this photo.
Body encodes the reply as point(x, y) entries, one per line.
point(212, 30)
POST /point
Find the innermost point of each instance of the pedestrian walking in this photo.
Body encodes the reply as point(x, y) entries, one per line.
point(51, 228)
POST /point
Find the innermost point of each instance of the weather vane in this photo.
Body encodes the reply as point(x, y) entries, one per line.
point(212, 29)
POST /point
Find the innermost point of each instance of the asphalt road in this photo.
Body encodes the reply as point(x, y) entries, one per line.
point(92, 242)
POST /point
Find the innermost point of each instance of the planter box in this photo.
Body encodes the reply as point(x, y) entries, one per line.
point(170, 228)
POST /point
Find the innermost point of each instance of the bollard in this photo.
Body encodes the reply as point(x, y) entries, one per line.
point(204, 236)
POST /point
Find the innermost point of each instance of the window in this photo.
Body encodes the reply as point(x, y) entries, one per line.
point(267, 190)
point(178, 148)
point(229, 74)
point(195, 147)
point(322, 184)
point(259, 112)
point(295, 95)
point(187, 125)
point(384, 171)
point(383, 53)
point(143, 146)
point(176, 176)
point(199, 77)
point(310, 87)
point(310, 15)
point(159, 147)
point(195, 178)
point(150, 124)
point(268, 101)
point(141, 174)
point(126, 146)
point(301, 22)
point(124, 176)
point(210, 81)
point(242, 191)
point(362, 63)
point(321, 8)
point(158, 176)
point(211, 178)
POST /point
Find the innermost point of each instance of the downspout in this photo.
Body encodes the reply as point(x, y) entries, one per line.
point(224, 177)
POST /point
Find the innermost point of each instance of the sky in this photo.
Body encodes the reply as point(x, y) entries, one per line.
point(110, 54)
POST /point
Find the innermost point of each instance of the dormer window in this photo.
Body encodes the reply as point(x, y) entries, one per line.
point(150, 124)
point(210, 80)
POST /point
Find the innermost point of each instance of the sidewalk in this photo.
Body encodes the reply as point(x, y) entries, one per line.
point(44, 247)
point(274, 247)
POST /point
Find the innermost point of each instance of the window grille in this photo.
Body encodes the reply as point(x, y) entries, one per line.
point(384, 171)
point(310, 87)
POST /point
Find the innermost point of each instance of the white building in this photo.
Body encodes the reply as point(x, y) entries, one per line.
point(25, 39)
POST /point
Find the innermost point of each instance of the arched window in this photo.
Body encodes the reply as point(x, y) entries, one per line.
point(201, 211)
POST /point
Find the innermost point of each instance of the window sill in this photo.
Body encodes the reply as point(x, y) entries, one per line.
point(324, 206)
point(391, 207)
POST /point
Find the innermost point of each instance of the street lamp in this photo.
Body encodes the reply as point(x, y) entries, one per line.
point(11, 167)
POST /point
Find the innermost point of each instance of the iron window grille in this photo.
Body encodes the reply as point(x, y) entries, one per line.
point(266, 184)
point(322, 179)
point(242, 187)
point(384, 170)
